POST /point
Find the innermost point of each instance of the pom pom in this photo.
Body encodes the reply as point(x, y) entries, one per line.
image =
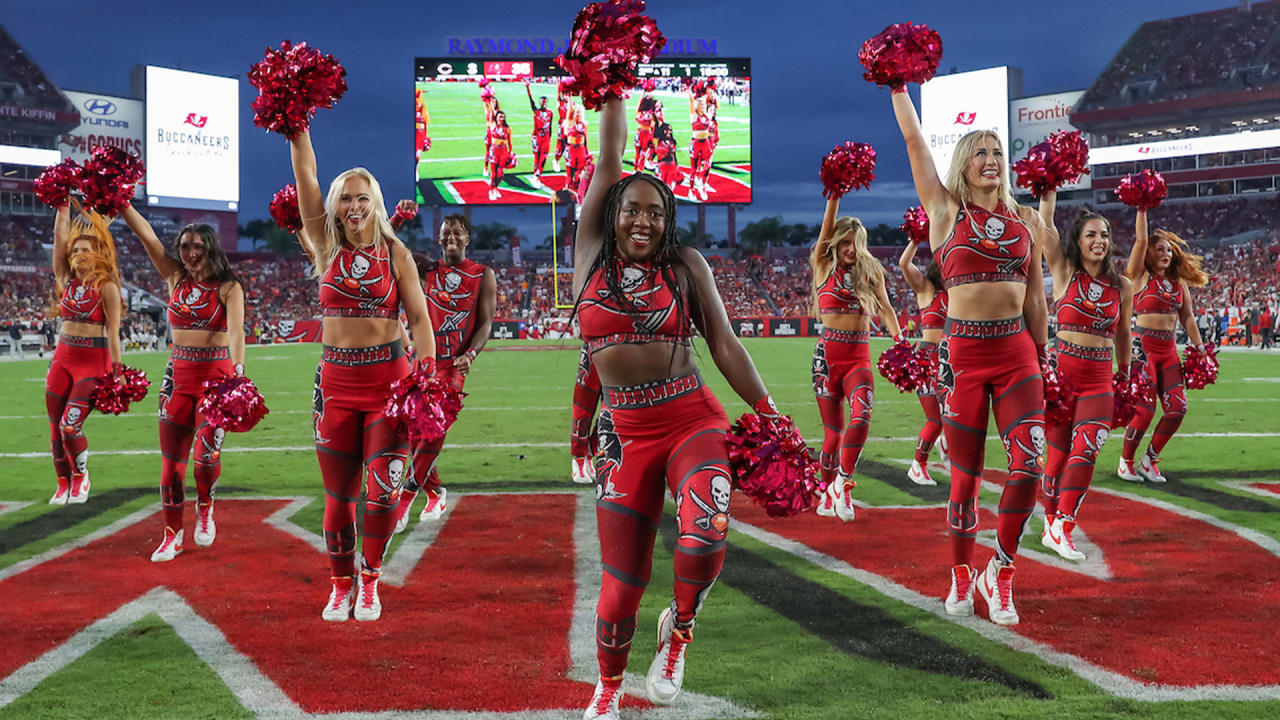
point(424, 406)
point(1059, 395)
point(916, 225)
point(847, 167)
point(649, 85)
point(901, 53)
point(293, 82)
point(1129, 392)
point(1200, 369)
point(284, 208)
point(483, 82)
point(907, 368)
point(771, 464)
point(55, 184)
point(607, 41)
point(1059, 160)
point(114, 395)
point(232, 403)
point(108, 179)
point(1145, 190)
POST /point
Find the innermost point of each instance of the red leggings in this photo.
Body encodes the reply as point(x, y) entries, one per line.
point(73, 375)
point(1157, 351)
point(353, 435)
point(498, 166)
point(982, 364)
point(586, 395)
point(842, 373)
point(1074, 446)
point(929, 402)
point(700, 158)
point(422, 458)
point(540, 145)
point(667, 433)
point(181, 424)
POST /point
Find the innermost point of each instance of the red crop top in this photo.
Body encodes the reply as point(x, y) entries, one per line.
point(81, 303)
point(1090, 305)
point(651, 317)
point(452, 293)
point(1160, 296)
point(360, 283)
point(985, 247)
point(836, 296)
point(197, 306)
point(934, 315)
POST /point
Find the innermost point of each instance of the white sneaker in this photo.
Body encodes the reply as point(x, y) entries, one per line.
point(666, 672)
point(80, 490)
point(825, 507)
point(943, 455)
point(1125, 471)
point(842, 497)
point(919, 474)
point(170, 547)
point(338, 609)
point(578, 470)
point(206, 531)
point(555, 165)
point(604, 704)
point(63, 492)
point(1057, 537)
point(1148, 468)
point(960, 597)
point(368, 604)
point(996, 585)
point(436, 504)
point(402, 520)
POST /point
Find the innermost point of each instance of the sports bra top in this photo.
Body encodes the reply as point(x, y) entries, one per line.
point(985, 247)
point(1090, 305)
point(648, 313)
point(836, 296)
point(81, 303)
point(360, 283)
point(1160, 296)
point(197, 306)
point(934, 315)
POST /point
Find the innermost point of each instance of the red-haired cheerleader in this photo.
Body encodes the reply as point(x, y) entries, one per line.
point(366, 276)
point(586, 398)
point(931, 298)
point(848, 287)
point(713, 110)
point(645, 124)
point(1093, 303)
point(500, 156)
point(461, 295)
point(206, 315)
point(666, 154)
point(421, 125)
point(700, 144)
point(576, 137)
point(989, 250)
point(541, 139)
point(640, 299)
point(88, 285)
point(1161, 271)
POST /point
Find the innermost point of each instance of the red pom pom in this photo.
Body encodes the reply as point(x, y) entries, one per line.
point(1200, 369)
point(649, 85)
point(284, 208)
point(1059, 395)
point(771, 464)
point(1129, 391)
point(483, 82)
point(607, 41)
point(424, 406)
point(293, 82)
point(108, 179)
point(1144, 190)
point(847, 167)
point(1057, 161)
point(908, 369)
point(114, 395)
point(916, 225)
point(402, 216)
point(900, 54)
point(232, 403)
point(55, 184)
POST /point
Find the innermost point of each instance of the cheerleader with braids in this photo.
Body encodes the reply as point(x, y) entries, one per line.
point(640, 297)
point(848, 286)
point(88, 288)
point(1162, 272)
point(931, 298)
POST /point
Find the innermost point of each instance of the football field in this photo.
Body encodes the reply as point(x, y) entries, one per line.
point(488, 611)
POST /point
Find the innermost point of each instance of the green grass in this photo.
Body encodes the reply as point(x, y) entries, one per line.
point(746, 652)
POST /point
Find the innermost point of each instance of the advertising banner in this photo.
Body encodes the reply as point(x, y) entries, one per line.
point(193, 140)
point(104, 120)
point(1033, 119)
point(952, 106)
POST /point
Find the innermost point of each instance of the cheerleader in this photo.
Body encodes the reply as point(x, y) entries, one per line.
point(665, 153)
point(88, 285)
point(421, 126)
point(645, 123)
point(540, 141)
point(700, 145)
point(575, 131)
point(1161, 271)
point(501, 158)
point(931, 298)
point(206, 315)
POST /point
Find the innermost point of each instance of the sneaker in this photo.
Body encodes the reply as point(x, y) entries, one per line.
point(437, 501)
point(842, 497)
point(79, 489)
point(578, 471)
point(1057, 537)
point(1125, 471)
point(206, 531)
point(170, 547)
point(338, 609)
point(368, 604)
point(825, 507)
point(996, 585)
point(62, 493)
point(604, 704)
point(960, 597)
point(555, 165)
point(402, 510)
point(1148, 468)
point(666, 672)
point(919, 474)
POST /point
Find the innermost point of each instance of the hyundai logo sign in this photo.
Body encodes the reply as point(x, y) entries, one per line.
point(99, 106)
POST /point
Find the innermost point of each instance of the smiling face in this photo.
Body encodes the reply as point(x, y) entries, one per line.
point(191, 252)
point(453, 240)
point(641, 221)
point(1094, 240)
point(1160, 255)
point(846, 251)
point(355, 204)
point(985, 164)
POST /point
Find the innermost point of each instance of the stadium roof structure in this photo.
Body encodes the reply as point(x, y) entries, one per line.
point(29, 101)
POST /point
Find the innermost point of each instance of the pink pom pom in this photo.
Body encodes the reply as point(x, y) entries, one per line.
point(55, 184)
point(1145, 190)
point(108, 179)
point(847, 167)
point(1129, 391)
point(293, 82)
point(1200, 369)
point(1059, 160)
point(483, 82)
point(649, 85)
point(424, 406)
point(114, 395)
point(284, 208)
point(908, 369)
point(1059, 395)
point(771, 464)
point(232, 403)
point(916, 225)
point(901, 53)
point(607, 41)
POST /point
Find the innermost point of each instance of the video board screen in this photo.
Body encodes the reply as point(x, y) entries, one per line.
point(952, 106)
point(193, 140)
point(497, 131)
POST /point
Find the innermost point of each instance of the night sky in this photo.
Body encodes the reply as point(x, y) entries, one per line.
point(807, 89)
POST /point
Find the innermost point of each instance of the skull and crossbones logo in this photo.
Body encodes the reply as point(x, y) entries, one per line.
point(353, 276)
point(73, 417)
point(716, 513)
point(190, 299)
point(1090, 301)
point(79, 293)
point(991, 234)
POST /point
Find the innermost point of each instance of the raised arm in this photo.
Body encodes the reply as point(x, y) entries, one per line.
point(233, 298)
point(310, 199)
point(613, 139)
point(1186, 314)
point(1124, 337)
point(1053, 244)
point(61, 231)
point(1138, 255)
point(308, 247)
point(915, 278)
point(709, 316)
point(529, 92)
point(932, 193)
point(415, 304)
point(829, 218)
point(485, 307)
point(166, 265)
